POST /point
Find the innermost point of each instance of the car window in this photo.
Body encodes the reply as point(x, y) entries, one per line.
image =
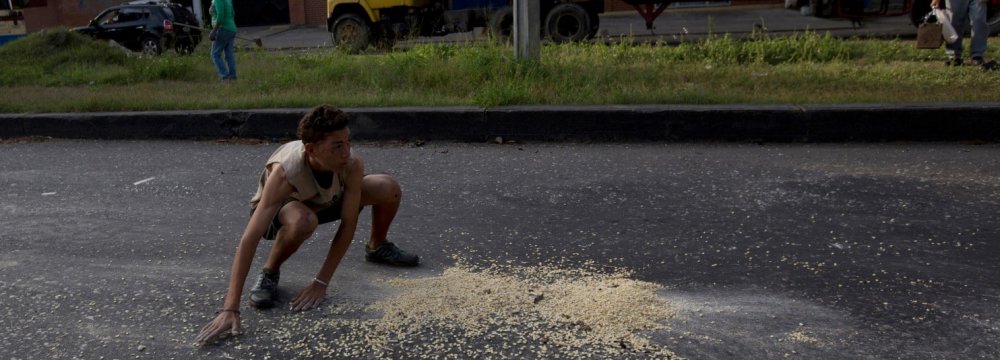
point(130, 15)
point(122, 15)
point(108, 18)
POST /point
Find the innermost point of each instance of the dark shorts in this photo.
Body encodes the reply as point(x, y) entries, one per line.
point(326, 215)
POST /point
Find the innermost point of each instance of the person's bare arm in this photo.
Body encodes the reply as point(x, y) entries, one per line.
point(314, 293)
point(276, 189)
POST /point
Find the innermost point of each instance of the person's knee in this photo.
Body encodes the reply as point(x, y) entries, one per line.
point(302, 224)
point(383, 188)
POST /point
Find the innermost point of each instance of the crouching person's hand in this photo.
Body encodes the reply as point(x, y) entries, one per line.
point(227, 322)
point(310, 296)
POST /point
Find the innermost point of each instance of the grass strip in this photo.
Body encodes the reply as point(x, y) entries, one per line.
point(60, 71)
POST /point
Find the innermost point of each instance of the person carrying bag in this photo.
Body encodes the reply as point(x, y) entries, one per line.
point(958, 14)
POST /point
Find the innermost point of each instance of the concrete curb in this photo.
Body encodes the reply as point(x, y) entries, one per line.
point(771, 123)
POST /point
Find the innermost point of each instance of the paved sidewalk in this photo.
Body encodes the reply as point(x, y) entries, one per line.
point(285, 37)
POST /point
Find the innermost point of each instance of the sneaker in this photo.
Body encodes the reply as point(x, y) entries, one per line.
point(265, 294)
point(953, 62)
point(388, 253)
point(977, 60)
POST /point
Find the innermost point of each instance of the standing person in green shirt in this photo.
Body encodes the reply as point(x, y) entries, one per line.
point(223, 37)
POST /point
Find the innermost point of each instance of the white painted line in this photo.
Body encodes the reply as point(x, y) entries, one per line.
point(143, 181)
point(48, 193)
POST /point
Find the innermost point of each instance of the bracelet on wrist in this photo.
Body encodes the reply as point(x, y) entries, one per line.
point(318, 281)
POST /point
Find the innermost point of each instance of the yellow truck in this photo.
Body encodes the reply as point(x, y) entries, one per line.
point(356, 24)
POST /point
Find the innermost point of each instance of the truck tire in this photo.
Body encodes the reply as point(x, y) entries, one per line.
point(351, 33)
point(502, 24)
point(568, 23)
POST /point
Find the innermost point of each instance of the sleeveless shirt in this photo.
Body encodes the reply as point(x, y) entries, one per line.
point(292, 157)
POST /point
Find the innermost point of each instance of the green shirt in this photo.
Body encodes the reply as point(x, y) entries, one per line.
point(223, 15)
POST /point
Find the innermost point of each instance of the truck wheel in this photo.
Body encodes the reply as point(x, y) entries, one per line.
point(502, 24)
point(351, 32)
point(568, 22)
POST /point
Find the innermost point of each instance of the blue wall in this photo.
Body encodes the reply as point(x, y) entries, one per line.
point(8, 38)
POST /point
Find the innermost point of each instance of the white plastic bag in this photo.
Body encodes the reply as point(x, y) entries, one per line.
point(947, 31)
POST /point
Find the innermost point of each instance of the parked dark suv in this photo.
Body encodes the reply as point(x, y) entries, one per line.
point(148, 27)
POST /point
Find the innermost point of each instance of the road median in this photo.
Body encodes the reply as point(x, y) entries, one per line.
point(616, 123)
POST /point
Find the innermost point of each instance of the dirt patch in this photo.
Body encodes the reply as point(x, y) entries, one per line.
point(803, 336)
point(508, 311)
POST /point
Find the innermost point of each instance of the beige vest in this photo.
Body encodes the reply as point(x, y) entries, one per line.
point(292, 157)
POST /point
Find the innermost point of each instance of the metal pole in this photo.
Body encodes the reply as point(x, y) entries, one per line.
point(527, 34)
point(198, 13)
point(11, 12)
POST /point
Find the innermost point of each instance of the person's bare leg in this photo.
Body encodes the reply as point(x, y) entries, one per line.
point(297, 224)
point(382, 192)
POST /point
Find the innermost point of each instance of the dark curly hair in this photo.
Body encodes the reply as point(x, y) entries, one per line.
point(321, 120)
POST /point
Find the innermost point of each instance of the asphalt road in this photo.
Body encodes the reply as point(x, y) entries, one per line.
point(866, 251)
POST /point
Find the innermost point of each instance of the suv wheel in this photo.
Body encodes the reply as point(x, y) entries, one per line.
point(151, 46)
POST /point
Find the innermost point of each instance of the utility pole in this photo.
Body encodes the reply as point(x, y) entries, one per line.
point(198, 13)
point(527, 34)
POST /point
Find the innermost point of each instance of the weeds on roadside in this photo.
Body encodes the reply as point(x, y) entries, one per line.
point(65, 58)
point(806, 67)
